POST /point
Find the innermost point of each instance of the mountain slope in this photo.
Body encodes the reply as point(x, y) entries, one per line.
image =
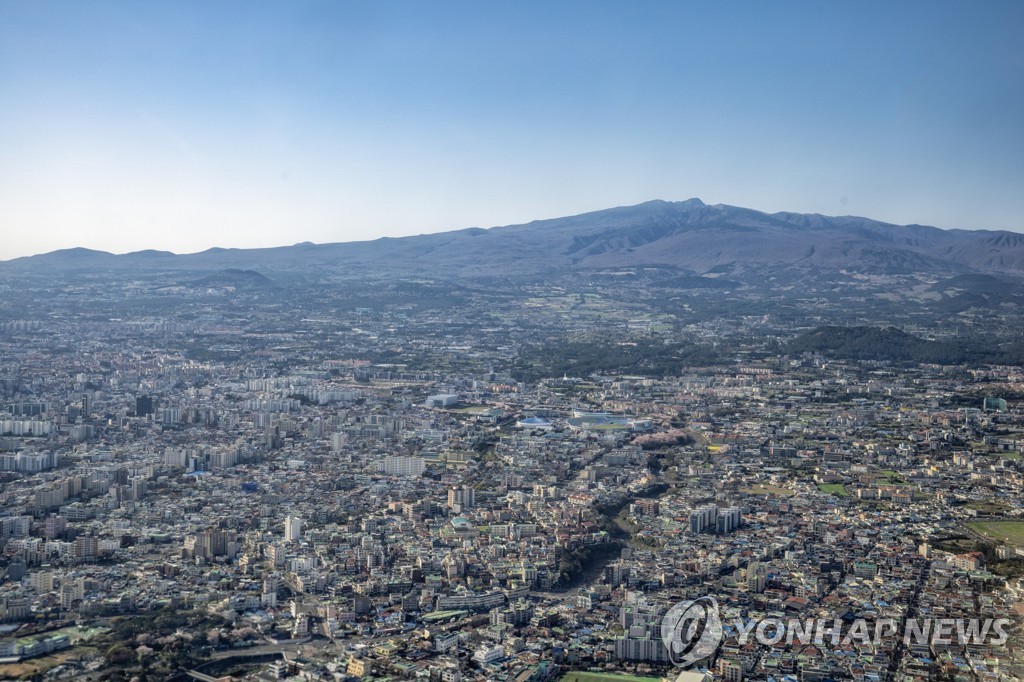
point(689, 235)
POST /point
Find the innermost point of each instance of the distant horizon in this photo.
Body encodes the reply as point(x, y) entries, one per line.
point(183, 126)
point(488, 227)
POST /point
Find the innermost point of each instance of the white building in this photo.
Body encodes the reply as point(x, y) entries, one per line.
point(292, 529)
point(402, 465)
point(486, 654)
point(442, 400)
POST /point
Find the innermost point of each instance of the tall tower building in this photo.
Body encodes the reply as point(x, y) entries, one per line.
point(461, 498)
point(292, 529)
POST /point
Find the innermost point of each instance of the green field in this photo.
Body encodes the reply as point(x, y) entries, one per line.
point(579, 676)
point(834, 488)
point(1011, 532)
point(608, 427)
point(889, 476)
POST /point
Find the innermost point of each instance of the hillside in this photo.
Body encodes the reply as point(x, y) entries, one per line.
point(893, 345)
point(691, 236)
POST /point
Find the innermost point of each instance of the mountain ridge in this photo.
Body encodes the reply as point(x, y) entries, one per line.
point(689, 235)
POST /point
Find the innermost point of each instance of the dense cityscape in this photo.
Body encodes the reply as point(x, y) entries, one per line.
point(459, 341)
point(408, 480)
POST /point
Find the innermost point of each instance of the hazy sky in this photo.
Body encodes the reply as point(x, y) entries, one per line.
point(184, 125)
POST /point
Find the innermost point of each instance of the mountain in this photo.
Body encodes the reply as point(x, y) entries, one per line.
point(690, 236)
point(234, 278)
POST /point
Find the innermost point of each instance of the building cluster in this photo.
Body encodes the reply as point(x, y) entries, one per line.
point(372, 521)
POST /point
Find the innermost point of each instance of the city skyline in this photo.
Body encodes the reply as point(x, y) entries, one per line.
point(191, 126)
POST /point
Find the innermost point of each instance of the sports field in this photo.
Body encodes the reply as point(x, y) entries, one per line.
point(580, 676)
point(1011, 532)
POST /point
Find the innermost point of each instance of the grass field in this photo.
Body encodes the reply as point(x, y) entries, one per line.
point(834, 488)
point(1011, 532)
point(767, 490)
point(889, 476)
point(608, 427)
point(580, 676)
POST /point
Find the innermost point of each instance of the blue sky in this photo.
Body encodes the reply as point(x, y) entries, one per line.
point(185, 125)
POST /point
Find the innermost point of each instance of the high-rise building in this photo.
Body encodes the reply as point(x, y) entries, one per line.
point(139, 487)
point(42, 581)
point(757, 576)
point(711, 519)
point(461, 498)
point(86, 548)
point(71, 591)
point(55, 527)
point(616, 572)
point(704, 519)
point(642, 639)
point(728, 520)
point(400, 465)
point(292, 529)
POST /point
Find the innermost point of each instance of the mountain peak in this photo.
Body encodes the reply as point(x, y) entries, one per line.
point(78, 252)
point(686, 204)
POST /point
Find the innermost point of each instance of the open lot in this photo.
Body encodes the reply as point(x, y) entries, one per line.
point(40, 664)
point(767, 490)
point(993, 507)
